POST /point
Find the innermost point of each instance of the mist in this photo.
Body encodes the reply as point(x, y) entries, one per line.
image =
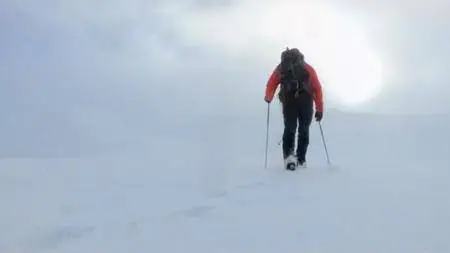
point(141, 125)
point(84, 78)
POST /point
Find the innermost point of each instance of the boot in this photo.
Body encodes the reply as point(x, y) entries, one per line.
point(301, 164)
point(301, 161)
point(290, 162)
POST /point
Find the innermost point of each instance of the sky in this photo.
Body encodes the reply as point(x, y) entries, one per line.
point(82, 76)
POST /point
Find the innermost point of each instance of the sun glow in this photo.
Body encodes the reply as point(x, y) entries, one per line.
point(350, 71)
point(335, 44)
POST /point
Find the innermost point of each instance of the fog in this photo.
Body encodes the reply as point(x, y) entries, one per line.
point(131, 125)
point(86, 77)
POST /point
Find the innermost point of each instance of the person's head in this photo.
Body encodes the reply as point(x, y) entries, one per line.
point(293, 55)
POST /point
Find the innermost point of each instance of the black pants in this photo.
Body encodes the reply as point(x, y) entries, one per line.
point(298, 114)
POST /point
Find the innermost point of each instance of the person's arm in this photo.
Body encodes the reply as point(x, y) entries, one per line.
point(317, 87)
point(272, 84)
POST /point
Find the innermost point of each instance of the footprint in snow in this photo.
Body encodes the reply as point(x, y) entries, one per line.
point(53, 238)
point(198, 211)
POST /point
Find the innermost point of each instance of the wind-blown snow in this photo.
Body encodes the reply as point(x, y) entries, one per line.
point(387, 191)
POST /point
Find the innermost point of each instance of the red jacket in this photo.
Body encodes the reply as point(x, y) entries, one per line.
point(274, 81)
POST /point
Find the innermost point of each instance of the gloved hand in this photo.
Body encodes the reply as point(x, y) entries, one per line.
point(318, 116)
point(267, 100)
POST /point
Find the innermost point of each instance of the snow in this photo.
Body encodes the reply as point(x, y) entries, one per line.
point(387, 190)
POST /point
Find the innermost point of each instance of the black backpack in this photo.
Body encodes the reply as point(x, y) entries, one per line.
point(294, 76)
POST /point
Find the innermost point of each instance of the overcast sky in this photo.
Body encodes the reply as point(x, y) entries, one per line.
point(86, 70)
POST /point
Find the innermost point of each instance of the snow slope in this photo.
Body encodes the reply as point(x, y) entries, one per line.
point(388, 191)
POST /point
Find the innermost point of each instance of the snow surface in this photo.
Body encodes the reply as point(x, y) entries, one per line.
point(388, 190)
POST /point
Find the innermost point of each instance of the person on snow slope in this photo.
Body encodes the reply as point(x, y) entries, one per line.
point(299, 90)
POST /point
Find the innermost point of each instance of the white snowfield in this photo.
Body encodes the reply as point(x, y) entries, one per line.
point(387, 191)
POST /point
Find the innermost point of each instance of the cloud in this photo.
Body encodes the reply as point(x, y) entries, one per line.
point(408, 41)
point(100, 74)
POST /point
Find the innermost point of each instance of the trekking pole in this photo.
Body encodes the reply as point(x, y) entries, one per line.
point(324, 143)
point(267, 134)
